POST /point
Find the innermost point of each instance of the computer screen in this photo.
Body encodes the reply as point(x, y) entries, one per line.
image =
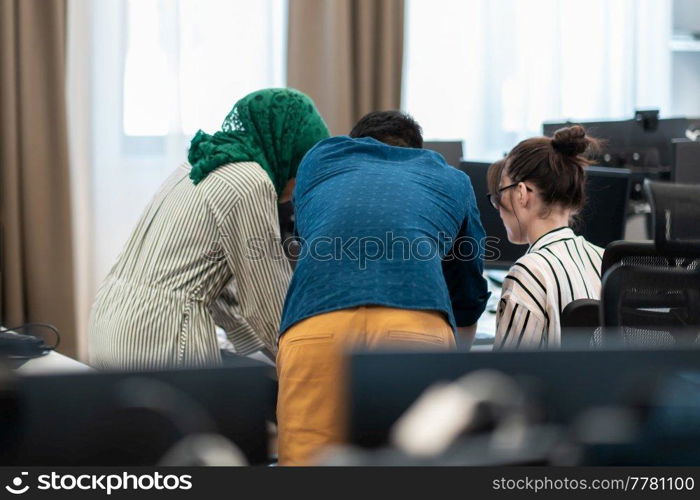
point(601, 222)
point(450, 150)
point(507, 253)
point(604, 215)
point(627, 143)
point(686, 161)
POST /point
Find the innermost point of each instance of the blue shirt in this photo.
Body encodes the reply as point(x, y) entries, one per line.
point(384, 225)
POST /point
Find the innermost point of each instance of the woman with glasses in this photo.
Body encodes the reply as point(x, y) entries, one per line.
point(538, 190)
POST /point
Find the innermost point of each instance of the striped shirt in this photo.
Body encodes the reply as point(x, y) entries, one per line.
point(558, 268)
point(199, 256)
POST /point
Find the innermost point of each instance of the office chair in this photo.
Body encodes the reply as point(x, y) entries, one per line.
point(580, 324)
point(652, 308)
point(651, 295)
point(647, 306)
point(642, 253)
point(581, 318)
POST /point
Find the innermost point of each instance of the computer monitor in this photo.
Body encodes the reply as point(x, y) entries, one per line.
point(504, 253)
point(601, 222)
point(383, 385)
point(686, 161)
point(135, 418)
point(450, 150)
point(604, 215)
point(630, 142)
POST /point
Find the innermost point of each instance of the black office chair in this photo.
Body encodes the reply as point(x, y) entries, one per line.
point(581, 318)
point(650, 294)
point(676, 232)
point(642, 253)
point(580, 324)
point(646, 306)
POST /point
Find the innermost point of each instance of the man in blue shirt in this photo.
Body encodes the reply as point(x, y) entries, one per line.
point(391, 254)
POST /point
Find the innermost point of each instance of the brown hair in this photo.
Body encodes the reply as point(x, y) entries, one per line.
point(493, 176)
point(555, 165)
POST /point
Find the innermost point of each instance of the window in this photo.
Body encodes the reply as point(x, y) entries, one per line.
point(187, 61)
point(489, 72)
point(159, 71)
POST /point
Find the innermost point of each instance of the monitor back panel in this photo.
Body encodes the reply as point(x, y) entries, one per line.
point(383, 385)
point(101, 419)
point(500, 253)
point(686, 162)
point(450, 150)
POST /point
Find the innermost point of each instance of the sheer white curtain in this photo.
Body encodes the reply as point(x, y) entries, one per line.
point(145, 76)
point(489, 72)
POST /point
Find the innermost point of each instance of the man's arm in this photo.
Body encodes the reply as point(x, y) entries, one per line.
point(465, 336)
point(463, 268)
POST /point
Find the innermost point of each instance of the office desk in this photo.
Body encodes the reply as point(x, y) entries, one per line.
point(52, 363)
point(485, 332)
point(486, 326)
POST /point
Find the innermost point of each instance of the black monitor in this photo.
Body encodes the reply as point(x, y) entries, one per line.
point(686, 161)
point(604, 215)
point(135, 418)
point(450, 150)
point(601, 222)
point(636, 142)
point(503, 253)
point(383, 385)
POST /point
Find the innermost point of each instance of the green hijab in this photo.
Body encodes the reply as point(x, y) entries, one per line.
point(273, 127)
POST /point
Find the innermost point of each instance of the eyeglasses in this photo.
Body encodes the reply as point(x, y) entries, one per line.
point(496, 199)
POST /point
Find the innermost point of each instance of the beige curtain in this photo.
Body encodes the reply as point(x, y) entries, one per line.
point(347, 55)
point(36, 268)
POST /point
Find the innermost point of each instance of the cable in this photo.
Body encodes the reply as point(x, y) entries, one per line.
point(25, 326)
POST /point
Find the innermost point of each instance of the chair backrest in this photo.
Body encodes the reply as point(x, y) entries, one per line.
point(581, 313)
point(579, 322)
point(651, 290)
point(650, 306)
point(642, 253)
point(581, 318)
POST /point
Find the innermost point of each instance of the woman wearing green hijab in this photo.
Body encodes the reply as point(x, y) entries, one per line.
point(206, 251)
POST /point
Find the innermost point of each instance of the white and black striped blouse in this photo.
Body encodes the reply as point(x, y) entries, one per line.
point(558, 268)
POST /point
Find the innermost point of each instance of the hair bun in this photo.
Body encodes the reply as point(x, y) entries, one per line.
point(571, 141)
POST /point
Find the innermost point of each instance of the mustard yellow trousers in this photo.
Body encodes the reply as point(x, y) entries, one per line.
point(311, 404)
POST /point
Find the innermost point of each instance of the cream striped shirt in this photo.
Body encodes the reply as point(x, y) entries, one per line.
point(199, 256)
point(558, 268)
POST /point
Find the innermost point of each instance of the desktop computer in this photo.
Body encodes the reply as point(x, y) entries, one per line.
point(601, 222)
point(450, 150)
point(504, 253)
point(643, 144)
point(686, 161)
point(134, 418)
point(563, 384)
point(603, 217)
point(645, 141)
